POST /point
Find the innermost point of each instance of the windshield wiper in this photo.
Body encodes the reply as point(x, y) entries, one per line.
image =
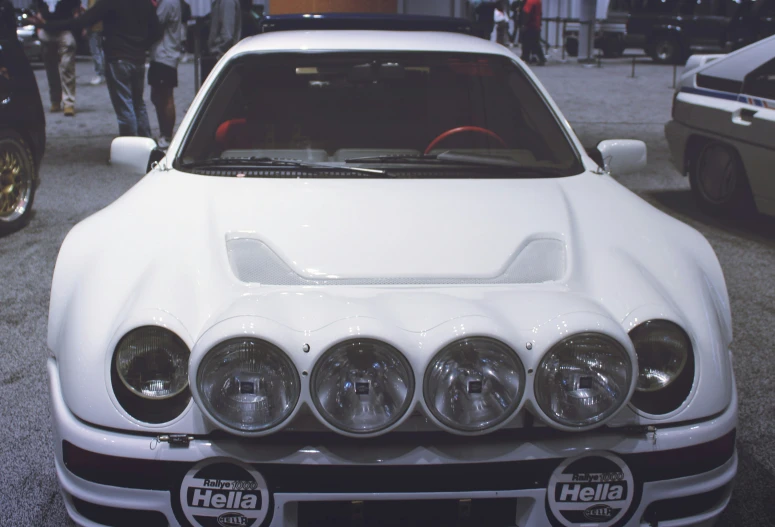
point(256, 161)
point(488, 160)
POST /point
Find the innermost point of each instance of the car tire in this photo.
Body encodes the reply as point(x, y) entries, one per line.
point(17, 181)
point(666, 50)
point(719, 183)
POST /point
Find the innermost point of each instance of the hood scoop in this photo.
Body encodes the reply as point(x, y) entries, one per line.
point(537, 260)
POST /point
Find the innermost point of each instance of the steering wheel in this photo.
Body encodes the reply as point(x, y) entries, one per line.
point(453, 131)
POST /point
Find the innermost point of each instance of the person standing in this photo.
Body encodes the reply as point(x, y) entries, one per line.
point(163, 71)
point(130, 27)
point(225, 31)
point(59, 53)
point(501, 20)
point(95, 48)
point(531, 39)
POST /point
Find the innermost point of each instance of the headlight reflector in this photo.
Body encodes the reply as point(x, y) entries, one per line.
point(474, 384)
point(583, 379)
point(248, 384)
point(362, 386)
point(662, 348)
point(152, 362)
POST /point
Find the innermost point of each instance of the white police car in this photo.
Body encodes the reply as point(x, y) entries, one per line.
point(377, 280)
point(721, 133)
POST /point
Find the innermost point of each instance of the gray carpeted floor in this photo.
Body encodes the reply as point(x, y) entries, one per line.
point(599, 102)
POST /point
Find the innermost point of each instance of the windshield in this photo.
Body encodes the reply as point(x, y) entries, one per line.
point(413, 114)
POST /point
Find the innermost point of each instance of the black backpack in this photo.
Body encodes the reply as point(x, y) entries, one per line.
point(185, 11)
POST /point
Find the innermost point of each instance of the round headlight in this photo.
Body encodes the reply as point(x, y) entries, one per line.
point(152, 362)
point(583, 380)
point(662, 348)
point(248, 384)
point(474, 384)
point(362, 386)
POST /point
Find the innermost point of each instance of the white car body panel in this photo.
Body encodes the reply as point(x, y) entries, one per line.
point(417, 263)
point(716, 115)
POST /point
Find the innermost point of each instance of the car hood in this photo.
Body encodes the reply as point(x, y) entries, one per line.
point(176, 238)
point(375, 230)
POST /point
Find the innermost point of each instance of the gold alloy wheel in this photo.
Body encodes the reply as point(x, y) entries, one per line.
point(15, 182)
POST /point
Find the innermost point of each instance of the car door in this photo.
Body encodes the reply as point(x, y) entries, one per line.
point(754, 126)
point(707, 24)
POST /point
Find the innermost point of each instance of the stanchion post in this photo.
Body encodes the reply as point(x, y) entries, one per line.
point(675, 71)
point(632, 75)
point(564, 30)
point(197, 53)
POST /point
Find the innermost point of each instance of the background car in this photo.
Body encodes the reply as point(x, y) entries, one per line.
point(28, 36)
point(722, 130)
point(753, 21)
point(669, 30)
point(22, 127)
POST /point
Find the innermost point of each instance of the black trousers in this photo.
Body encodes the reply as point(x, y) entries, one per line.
point(531, 44)
point(207, 64)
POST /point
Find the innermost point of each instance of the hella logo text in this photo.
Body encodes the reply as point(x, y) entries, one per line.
point(232, 519)
point(599, 513)
point(570, 492)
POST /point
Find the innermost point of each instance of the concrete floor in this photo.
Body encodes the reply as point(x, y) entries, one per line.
point(599, 102)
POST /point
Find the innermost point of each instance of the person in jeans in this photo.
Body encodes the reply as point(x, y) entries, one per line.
point(130, 27)
point(59, 54)
point(95, 48)
point(225, 31)
point(163, 71)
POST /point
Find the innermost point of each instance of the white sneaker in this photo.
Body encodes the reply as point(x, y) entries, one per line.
point(97, 80)
point(163, 143)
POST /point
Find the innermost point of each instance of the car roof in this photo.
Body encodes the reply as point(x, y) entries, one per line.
point(366, 40)
point(370, 21)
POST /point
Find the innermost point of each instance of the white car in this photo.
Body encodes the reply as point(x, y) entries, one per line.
point(376, 280)
point(721, 133)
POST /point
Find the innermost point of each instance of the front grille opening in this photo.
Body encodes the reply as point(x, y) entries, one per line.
point(687, 506)
point(115, 517)
point(409, 513)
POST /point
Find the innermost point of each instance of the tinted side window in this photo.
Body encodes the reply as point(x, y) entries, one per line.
point(726, 8)
point(766, 9)
point(691, 7)
point(761, 82)
point(654, 7)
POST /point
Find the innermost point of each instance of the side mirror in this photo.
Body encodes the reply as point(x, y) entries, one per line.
point(132, 153)
point(622, 156)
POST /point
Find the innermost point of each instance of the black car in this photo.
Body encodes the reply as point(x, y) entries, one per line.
point(670, 30)
point(22, 127)
point(752, 22)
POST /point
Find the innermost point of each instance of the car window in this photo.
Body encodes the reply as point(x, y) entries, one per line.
point(765, 8)
point(653, 6)
point(728, 73)
point(726, 8)
point(761, 82)
point(694, 7)
point(331, 107)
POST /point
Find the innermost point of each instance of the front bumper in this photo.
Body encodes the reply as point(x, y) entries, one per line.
point(680, 475)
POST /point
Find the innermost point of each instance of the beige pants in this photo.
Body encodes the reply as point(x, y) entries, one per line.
point(59, 59)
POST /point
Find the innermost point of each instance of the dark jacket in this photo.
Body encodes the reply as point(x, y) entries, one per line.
point(64, 10)
point(129, 27)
